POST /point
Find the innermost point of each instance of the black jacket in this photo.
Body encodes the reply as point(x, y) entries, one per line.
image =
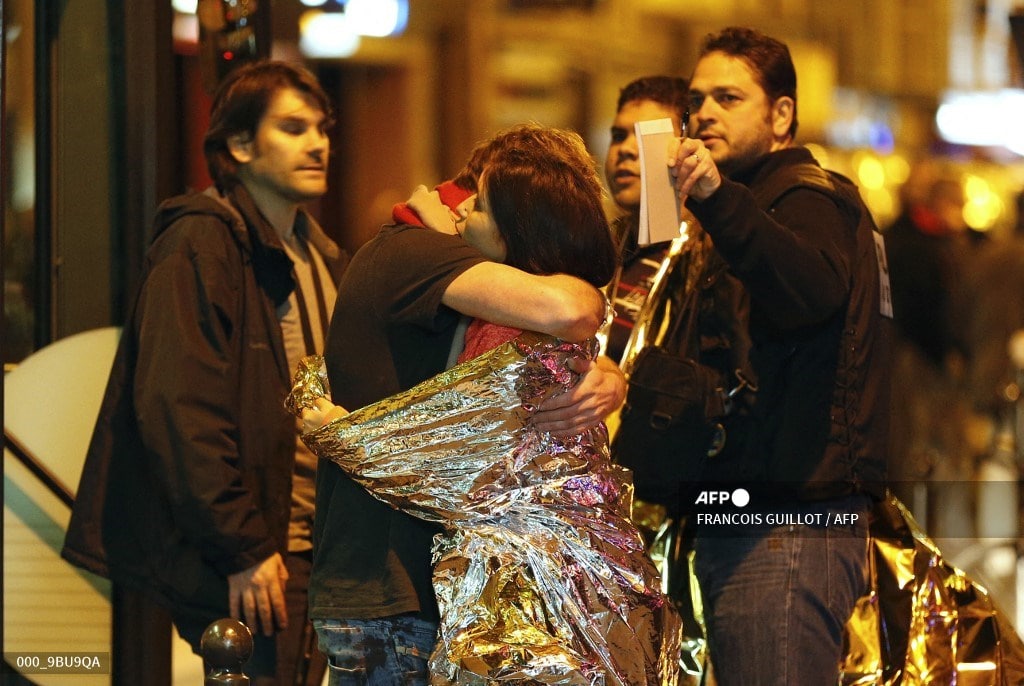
point(800, 251)
point(188, 475)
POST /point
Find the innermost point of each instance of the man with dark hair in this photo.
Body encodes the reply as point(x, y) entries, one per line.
point(646, 98)
point(196, 492)
point(780, 577)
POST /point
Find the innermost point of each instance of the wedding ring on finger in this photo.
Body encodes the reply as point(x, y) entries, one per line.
point(696, 158)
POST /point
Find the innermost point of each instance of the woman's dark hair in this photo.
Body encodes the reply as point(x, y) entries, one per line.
point(768, 58)
point(546, 200)
point(238, 107)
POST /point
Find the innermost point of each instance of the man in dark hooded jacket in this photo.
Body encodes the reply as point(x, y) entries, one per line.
point(196, 493)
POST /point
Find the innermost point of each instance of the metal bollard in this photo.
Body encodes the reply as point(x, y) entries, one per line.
point(226, 646)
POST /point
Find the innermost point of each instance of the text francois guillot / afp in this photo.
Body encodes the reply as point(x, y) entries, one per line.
point(741, 498)
point(778, 518)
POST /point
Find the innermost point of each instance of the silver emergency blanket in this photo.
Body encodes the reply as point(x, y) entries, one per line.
point(540, 575)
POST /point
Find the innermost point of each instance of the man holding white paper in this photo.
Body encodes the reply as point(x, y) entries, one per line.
point(801, 246)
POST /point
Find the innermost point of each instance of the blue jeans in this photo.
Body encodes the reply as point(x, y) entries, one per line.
point(777, 596)
point(392, 651)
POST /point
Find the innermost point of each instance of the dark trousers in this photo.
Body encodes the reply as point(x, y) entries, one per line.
point(297, 651)
point(290, 655)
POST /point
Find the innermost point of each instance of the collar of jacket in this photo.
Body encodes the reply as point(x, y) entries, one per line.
point(271, 263)
point(305, 225)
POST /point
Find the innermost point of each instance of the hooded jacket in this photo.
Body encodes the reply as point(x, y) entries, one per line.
point(187, 478)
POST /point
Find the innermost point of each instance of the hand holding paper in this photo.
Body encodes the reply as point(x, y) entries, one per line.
point(695, 174)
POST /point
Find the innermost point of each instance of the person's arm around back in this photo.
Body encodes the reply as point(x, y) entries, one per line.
point(601, 391)
point(559, 305)
point(555, 304)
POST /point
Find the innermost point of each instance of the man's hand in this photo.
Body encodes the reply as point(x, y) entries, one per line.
point(696, 173)
point(258, 592)
point(601, 390)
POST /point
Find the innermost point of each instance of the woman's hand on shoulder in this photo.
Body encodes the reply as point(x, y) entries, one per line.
point(432, 212)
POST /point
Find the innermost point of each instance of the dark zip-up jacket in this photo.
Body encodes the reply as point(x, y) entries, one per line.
point(800, 248)
point(188, 474)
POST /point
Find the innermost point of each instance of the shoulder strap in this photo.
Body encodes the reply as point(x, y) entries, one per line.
point(786, 179)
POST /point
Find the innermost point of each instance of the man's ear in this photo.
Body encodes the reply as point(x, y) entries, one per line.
point(782, 116)
point(241, 147)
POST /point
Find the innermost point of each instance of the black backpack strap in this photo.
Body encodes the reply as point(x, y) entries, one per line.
point(786, 179)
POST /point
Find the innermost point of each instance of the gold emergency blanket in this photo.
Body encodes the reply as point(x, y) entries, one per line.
point(924, 621)
point(540, 576)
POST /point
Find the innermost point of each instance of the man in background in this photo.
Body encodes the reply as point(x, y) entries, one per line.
point(663, 524)
point(646, 98)
point(196, 492)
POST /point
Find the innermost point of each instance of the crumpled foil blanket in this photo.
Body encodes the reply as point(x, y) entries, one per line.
point(924, 621)
point(540, 575)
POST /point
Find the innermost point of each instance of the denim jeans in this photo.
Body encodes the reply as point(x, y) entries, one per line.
point(377, 652)
point(777, 596)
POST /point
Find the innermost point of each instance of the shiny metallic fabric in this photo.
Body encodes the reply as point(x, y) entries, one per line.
point(925, 621)
point(540, 575)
